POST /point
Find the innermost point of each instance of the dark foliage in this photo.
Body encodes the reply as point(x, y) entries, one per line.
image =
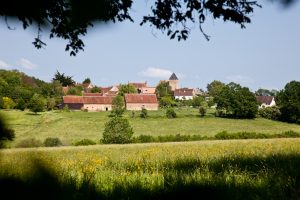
point(236, 101)
point(29, 143)
point(63, 79)
point(144, 113)
point(52, 142)
point(288, 101)
point(6, 133)
point(84, 142)
point(170, 113)
point(270, 113)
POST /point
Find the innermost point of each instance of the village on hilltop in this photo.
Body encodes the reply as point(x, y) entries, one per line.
point(144, 97)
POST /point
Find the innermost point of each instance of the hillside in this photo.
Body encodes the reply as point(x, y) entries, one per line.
point(74, 126)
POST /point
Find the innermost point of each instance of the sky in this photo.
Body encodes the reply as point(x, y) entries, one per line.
point(264, 55)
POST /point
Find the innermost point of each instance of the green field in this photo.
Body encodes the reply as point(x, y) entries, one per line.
point(74, 126)
point(237, 169)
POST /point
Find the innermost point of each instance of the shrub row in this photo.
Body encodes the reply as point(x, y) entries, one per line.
point(49, 142)
point(224, 135)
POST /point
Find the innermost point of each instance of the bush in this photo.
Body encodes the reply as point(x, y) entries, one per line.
point(144, 113)
point(66, 108)
point(52, 142)
point(132, 114)
point(288, 134)
point(84, 142)
point(270, 113)
point(117, 131)
point(28, 143)
point(37, 103)
point(224, 135)
point(170, 113)
point(5, 132)
point(8, 103)
point(21, 105)
point(202, 111)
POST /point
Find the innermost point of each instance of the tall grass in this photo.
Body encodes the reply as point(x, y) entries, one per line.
point(237, 169)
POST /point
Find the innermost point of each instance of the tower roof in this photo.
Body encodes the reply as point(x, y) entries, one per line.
point(173, 77)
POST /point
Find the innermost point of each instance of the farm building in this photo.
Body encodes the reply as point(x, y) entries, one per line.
point(73, 102)
point(184, 94)
point(97, 103)
point(139, 101)
point(90, 103)
point(265, 101)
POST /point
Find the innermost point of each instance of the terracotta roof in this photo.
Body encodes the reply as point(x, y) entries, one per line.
point(139, 85)
point(140, 98)
point(72, 99)
point(88, 99)
point(98, 100)
point(91, 94)
point(105, 89)
point(264, 99)
point(184, 92)
point(173, 77)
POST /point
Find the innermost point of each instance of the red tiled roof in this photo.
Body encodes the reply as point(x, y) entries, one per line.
point(264, 99)
point(91, 94)
point(140, 98)
point(88, 99)
point(105, 89)
point(139, 85)
point(73, 99)
point(98, 100)
point(184, 92)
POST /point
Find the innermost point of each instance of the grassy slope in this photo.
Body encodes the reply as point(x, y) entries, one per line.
point(74, 126)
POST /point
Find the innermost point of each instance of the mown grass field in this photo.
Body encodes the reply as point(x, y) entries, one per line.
point(73, 126)
point(237, 169)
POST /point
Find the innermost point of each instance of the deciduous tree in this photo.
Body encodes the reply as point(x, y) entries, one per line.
point(288, 101)
point(237, 101)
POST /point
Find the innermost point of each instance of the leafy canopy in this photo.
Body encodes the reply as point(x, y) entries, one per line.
point(127, 89)
point(237, 101)
point(70, 19)
point(288, 101)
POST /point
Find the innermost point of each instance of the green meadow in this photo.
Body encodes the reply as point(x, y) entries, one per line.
point(77, 125)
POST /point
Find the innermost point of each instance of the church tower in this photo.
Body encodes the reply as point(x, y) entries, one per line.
point(173, 82)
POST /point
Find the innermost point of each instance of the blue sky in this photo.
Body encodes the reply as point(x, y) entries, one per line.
point(264, 55)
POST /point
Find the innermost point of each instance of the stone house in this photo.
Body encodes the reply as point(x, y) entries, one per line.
point(139, 101)
point(184, 94)
point(265, 101)
point(97, 103)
